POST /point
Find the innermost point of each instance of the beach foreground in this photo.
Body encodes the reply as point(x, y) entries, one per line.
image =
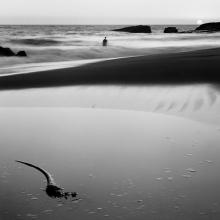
point(123, 164)
point(185, 84)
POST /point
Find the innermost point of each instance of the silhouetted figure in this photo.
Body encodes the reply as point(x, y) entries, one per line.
point(104, 42)
point(52, 189)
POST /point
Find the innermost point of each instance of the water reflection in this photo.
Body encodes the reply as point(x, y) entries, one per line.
point(124, 164)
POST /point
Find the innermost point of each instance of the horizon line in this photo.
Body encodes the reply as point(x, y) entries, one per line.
point(34, 24)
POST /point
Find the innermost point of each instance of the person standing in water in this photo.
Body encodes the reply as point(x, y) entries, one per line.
point(104, 42)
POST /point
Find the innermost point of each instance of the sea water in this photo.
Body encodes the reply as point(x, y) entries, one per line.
point(55, 46)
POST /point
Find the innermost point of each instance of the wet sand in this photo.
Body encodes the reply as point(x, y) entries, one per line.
point(200, 66)
point(123, 164)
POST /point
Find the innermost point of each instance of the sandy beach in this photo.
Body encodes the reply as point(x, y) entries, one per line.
point(136, 137)
point(109, 111)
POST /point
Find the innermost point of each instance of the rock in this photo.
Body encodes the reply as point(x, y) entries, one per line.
point(135, 29)
point(21, 54)
point(6, 52)
point(209, 27)
point(170, 30)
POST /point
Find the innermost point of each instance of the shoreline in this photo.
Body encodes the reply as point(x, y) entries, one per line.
point(198, 66)
point(59, 65)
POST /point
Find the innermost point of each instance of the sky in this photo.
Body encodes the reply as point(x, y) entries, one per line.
point(108, 12)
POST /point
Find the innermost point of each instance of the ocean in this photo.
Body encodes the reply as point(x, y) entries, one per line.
point(55, 46)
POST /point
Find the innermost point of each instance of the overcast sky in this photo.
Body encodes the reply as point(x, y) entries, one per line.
point(108, 12)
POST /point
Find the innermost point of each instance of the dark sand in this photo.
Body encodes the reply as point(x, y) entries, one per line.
point(200, 66)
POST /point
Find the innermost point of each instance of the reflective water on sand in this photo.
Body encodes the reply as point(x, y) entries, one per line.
point(123, 164)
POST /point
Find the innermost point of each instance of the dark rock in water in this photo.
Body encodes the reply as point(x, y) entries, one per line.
point(6, 52)
point(209, 27)
point(170, 30)
point(21, 54)
point(135, 29)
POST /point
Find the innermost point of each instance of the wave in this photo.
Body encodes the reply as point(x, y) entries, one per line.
point(36, 41)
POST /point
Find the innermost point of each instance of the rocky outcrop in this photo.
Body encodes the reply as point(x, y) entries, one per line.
point(170, 30)
point(135, 29)
point(7, 52)
point(21, 54)
point(209, 27)
point(4, 51)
